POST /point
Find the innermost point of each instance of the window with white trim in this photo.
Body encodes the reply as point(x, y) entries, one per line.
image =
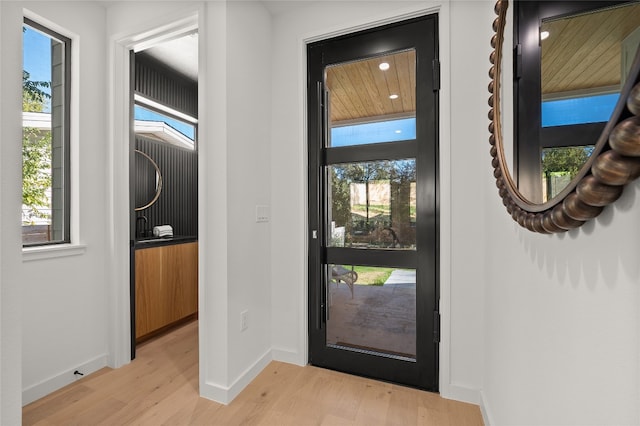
point(45, 138)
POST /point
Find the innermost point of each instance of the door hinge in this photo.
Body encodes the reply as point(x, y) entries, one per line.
point(436, 327)
point(436, 74)
point(517, 63)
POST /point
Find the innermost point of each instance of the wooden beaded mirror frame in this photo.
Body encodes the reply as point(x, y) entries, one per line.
point(614, 162)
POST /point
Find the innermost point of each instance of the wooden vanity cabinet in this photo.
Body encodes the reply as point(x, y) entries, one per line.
point(166, 286)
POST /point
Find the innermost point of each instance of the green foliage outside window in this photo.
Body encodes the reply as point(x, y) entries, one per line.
point(561, 165)
point(36, 151)
point(381, 214)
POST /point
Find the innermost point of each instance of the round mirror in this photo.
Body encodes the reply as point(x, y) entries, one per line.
point(148, 182)
point(576, 137)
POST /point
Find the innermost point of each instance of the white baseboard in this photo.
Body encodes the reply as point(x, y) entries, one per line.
point(215, 392)
point(224, 394)
point(288, 356)
point(45, 387)
point(460, 393)
point(486, 412)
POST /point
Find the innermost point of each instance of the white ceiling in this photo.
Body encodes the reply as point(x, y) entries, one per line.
point(277, 7)
point(180, 54)
point(280, 7)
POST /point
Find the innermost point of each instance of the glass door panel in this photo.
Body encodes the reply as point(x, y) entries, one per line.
point(372, 309)
point(372, 204)
point(372, 100)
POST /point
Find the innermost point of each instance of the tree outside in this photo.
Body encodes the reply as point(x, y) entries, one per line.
point(36, 154)
point(561, 165)
point(374, 203)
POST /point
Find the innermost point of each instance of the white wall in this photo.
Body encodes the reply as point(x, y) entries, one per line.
point(10, 201)
point(562, 324)
point(249, 183)
point(213, 217)
point(288, 192)
point(469, 163)
point(63, 319)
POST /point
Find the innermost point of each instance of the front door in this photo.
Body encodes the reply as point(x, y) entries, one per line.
point(373, 203)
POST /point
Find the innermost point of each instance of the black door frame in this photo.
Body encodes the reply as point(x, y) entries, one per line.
point(420, 34)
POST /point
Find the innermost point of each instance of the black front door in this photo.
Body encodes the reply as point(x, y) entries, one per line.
point(373, 203)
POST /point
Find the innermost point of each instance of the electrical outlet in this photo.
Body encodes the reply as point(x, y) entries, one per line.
point(244, 320)
point(262, 214)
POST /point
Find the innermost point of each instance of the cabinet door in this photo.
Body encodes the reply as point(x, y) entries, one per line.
point(180, 272)
point(152, 299)
point(166, 286)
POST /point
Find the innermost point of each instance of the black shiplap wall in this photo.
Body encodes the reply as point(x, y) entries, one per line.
point(178, 202)
point(153, 80)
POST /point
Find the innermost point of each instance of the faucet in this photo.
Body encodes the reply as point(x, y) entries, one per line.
point(144, 226)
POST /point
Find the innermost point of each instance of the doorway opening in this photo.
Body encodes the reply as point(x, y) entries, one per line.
point(163, 170)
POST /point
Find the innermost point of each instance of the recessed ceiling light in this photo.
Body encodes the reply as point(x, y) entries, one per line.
point(394, 96)
point(544, 35)
point(383, 66)
point(398, 131)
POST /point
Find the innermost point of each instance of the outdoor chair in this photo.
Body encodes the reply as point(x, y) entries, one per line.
point(341, 274)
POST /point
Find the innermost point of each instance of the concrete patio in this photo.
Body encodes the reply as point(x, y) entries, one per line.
point(378, 318)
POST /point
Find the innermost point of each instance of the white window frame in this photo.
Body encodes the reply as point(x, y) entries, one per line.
point(70, 245)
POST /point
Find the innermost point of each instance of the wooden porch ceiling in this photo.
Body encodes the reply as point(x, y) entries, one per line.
point(360, 91)
point(584, 52)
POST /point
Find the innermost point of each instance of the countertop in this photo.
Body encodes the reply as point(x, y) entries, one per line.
point(148, 242)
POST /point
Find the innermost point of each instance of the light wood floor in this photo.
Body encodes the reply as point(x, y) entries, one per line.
point(161, 388)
